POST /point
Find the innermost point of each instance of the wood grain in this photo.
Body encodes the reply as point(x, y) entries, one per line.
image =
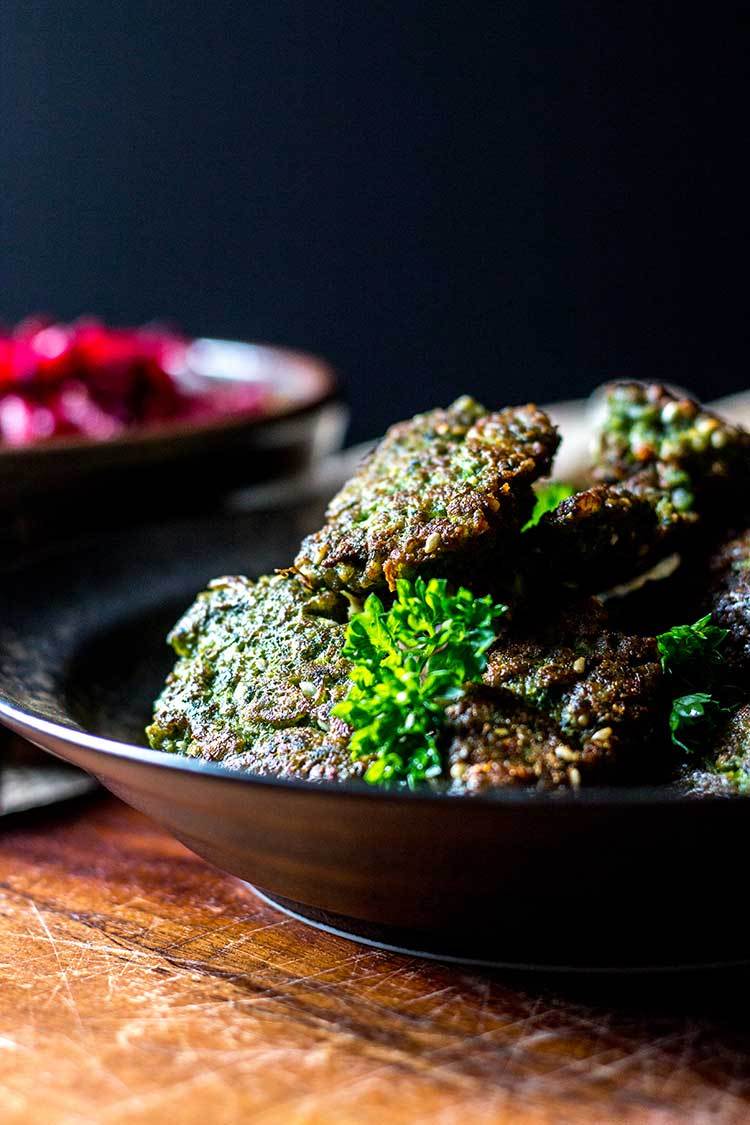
point(141, 986)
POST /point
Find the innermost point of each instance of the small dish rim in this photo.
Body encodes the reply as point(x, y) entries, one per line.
point(322, 389)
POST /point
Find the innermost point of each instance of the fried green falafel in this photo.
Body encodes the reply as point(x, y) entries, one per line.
point(646, 424)
point(439, 495)
point(565, 702)
point(259, 668)
point(669, 471)
point(603, 690)
point(495, 742)
point(729, 599)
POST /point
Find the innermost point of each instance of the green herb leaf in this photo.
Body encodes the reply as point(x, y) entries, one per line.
point(547, 499)
point(692, 653)
point(685, 646)
point(693, 719)
point(410, 662)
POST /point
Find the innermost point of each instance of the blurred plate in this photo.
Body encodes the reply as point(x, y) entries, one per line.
point(30, 779)
point(68, 484)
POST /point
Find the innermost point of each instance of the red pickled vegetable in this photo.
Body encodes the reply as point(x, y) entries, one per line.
point(88, 380)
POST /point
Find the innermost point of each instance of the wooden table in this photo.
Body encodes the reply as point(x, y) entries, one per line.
point(140, 986)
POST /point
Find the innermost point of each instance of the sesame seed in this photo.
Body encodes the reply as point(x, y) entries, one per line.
point(602, 735)
point(574, 777)
point(579, 665)
point(308, 688)
point(458, 769)
point(432, 544)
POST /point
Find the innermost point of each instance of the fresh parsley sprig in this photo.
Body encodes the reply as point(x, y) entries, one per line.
point(409, 663)
point(685, 648)
point(548, 496)
point(692, 655)
point(692, 718)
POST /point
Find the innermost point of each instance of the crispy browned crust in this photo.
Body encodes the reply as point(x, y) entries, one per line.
point(495, 742)
point(566, 702)
point(596, 538)
point(671, 471)
point(729, 598)
point(603, 690)
point(441, 489)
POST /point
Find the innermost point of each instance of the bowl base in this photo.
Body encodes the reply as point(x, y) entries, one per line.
point(402, 942)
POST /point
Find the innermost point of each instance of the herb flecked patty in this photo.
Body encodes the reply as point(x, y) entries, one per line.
point(730, 598)
point(670, 471)
point(259, 667)
point(603, 690)
point(496, 742)
point(646, 423)
point(439, 493)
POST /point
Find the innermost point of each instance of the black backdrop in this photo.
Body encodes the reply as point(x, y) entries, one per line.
point(516, 198)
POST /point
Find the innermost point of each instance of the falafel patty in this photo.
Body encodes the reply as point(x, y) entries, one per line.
point(729, 599)
point(670, 470)
point(603, 690)
point(259, 668)
point(442, 489)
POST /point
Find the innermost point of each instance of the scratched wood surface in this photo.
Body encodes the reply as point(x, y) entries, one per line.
point(141, 986)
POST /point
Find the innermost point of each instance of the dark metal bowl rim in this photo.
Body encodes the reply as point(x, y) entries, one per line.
point(31, 724)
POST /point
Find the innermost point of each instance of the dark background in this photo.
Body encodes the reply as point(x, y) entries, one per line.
point(517, 199)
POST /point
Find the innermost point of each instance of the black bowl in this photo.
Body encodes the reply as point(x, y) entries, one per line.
point(596, 879)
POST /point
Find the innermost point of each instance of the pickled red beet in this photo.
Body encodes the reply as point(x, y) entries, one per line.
point(88, 380)
point(22, 422)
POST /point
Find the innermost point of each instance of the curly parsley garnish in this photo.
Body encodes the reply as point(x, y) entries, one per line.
point(683, 648)
point(692, 718)
point(547, 499)
point(410, 662)
point(688, 652)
